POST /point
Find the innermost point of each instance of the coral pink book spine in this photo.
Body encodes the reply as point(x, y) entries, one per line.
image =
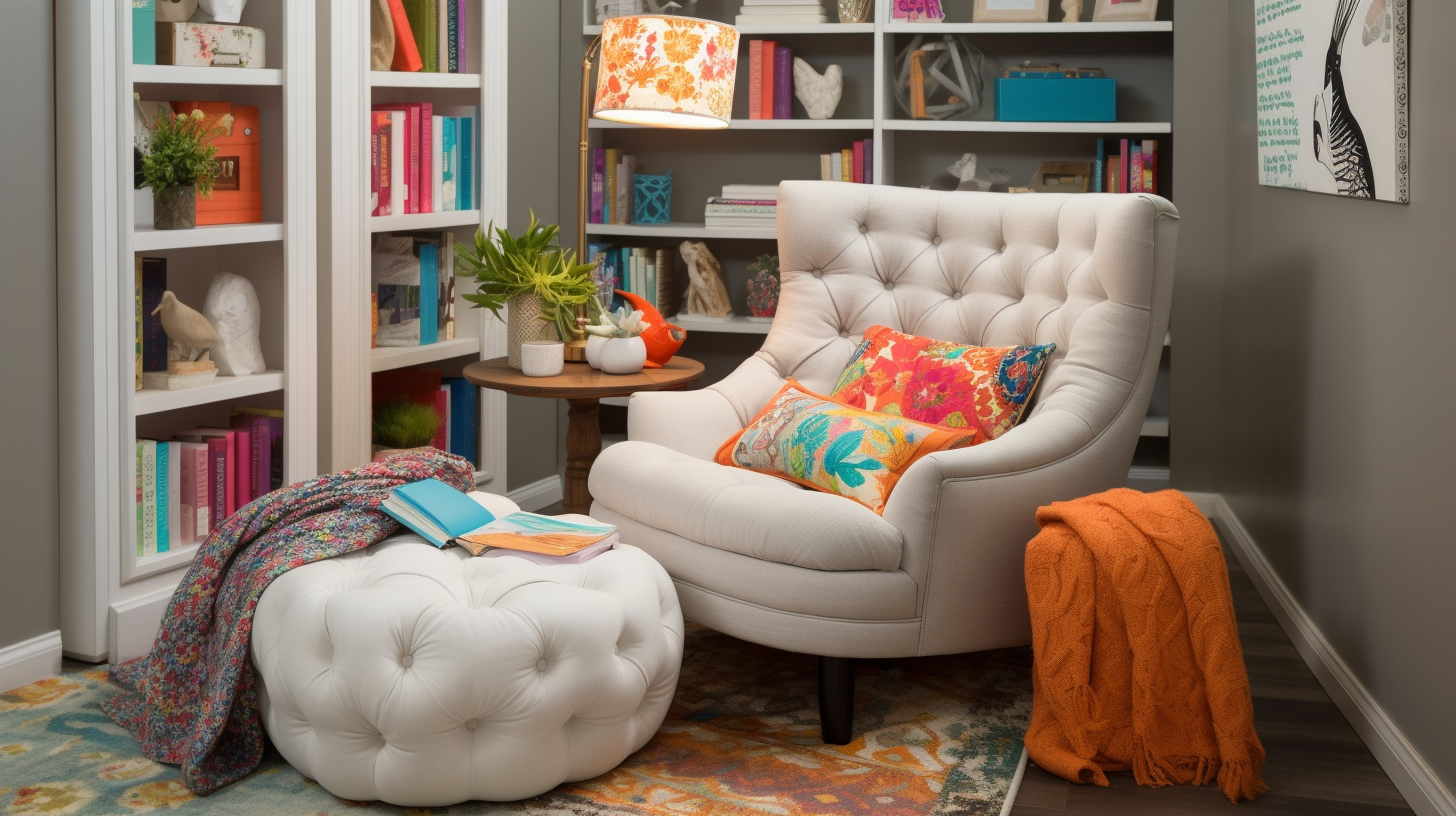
point(426, 113)
point(766, 81)
point(242, 467)
point(859, 163)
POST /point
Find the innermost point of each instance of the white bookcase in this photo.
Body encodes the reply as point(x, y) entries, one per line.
point(906, 152)
point(111, 597)
point(352, 90)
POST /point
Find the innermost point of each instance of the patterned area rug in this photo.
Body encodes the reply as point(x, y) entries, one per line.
point(937, 735)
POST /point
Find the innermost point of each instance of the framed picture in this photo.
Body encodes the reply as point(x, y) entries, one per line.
point(1010, 11)
point(1063, 177)
point(917, 11)
point(1125, 11)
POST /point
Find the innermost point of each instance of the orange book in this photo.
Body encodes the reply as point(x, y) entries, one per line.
point(237, 194)
point(406, 53)
point(917, 86)
point(766, 81)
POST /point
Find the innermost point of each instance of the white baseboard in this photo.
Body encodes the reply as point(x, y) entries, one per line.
point(30, 660)
point(132, 625)
point(536, 495)
point(1415, 780)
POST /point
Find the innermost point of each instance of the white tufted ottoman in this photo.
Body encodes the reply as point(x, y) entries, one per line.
point(424, 677)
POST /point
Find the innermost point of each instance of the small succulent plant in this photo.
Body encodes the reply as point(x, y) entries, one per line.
point(619, 324)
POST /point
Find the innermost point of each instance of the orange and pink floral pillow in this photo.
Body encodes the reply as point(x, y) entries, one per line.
point(942, 383)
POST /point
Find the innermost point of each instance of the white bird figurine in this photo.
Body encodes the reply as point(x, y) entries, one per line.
point(192, 333)
point(818, 93)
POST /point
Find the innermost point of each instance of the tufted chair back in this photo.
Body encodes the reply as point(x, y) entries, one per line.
point(1091, 273)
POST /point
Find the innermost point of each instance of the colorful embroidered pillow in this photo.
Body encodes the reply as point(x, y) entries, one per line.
point(942, 383)
point(819, 443)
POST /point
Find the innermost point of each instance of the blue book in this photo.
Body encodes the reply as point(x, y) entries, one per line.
point(143, 32)
point(436, 510)
point(465, 180)
point(1097, 171)
point(464, 438)
point(449, 158)
point(429, 293)
point(164, 528)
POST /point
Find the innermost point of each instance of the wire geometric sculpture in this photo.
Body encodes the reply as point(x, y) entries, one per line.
point(950, 63)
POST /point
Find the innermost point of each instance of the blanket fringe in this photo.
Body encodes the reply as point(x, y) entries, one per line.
point(1240, 780)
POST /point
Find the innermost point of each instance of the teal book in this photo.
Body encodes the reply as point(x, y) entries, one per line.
point(144, 32)
point(449, 160)
point(465, 180)
point(429, 292)
point(436, 511)
point(164, 514)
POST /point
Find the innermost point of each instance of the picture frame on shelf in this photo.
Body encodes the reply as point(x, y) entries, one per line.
point(1063, 177)
point(1124, 11)
point(919, 11)
point(1011, 11)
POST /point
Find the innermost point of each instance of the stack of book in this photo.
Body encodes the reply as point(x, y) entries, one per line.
point(412, 295)
point(644, 271)
point(187, 485)
point(611, 186)
point(781, 12)
point(454, 400)
point(422, 159)
point(855, 163)
point(743, 205)
point(770, 80)
point(429, 36)
point(1133, 170)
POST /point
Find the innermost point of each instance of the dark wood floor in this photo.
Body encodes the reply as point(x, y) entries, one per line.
point(1316, 763)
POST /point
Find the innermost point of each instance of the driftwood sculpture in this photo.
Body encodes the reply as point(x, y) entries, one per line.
point(706, 294)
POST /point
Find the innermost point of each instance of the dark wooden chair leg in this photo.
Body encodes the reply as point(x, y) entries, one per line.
point(836, 700)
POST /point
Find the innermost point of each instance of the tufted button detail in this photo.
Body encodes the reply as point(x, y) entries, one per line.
point(617, 649)
point(863, 229)
point(889, 285)
point(818, 273)
point(471, 725)
point(541, 664)
point(935, 240)
point(955, 296)
point(407, 661)
point(1003, 247)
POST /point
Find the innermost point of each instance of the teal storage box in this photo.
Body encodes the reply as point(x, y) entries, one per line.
point(1056, 99)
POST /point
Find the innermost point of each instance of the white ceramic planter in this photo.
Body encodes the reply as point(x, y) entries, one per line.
point(622, 355)
point(542, 358)
point(594, 350)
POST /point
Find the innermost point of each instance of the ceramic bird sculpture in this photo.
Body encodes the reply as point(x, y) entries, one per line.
point(1339, 143)
point(819, 93)
point(189, 331)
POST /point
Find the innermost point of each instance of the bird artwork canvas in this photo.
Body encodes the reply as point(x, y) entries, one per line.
point(1333, 104)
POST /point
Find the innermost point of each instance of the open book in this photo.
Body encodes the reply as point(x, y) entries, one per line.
point(445, 516)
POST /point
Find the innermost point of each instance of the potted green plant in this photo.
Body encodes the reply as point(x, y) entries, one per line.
point(616, 345)
point(538, 283)
point(399, 426)
point(179, 164)
point(763, 286)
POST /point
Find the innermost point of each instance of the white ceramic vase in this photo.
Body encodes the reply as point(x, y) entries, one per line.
point(622, 355)
point(594, 350)
point(542, 358)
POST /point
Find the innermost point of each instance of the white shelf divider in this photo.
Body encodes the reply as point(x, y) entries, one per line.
point(759, 29)
point(194, 75)
point(420, 79)
point(386, 359)
point(221, 389)
point(763, 124)
point(1158, 26)
point(737, 324)
point(979, 126)
point(683, 229)
point(424, 221)
point(146, 239)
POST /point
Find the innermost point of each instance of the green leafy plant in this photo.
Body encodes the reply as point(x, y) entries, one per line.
point(180, 152)
point(764, 262)
point(404, 424)
point(506, 265)
point(620, 324)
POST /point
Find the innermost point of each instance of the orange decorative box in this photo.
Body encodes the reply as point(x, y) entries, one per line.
point(237, 194)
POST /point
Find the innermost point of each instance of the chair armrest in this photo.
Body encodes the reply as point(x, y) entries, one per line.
point(692, 422)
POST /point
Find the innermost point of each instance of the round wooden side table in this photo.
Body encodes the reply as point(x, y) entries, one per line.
point(582, 387)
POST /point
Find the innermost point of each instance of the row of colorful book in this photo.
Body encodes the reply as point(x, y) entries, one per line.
point(422, 158)
point(455, 400)
point(743, 205)
point(610, 199)
point(187, 485)
point(429, 35)
point(781, 12)
point(645, 271)
point(412, 295)
point(770, 80)
point(1134, 169)
point(855, 163)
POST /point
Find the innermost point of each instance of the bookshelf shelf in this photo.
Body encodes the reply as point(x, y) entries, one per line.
point(758, 29)
point(387, 359)
point(683, 229)
point(975, 126)
point(165, 562)
point(765, 124)
point(424, 221)
point(737, 324)
point(420, 79)
point(221, 389)
point(146, 239)
point(1159, 26)
point(192, 75)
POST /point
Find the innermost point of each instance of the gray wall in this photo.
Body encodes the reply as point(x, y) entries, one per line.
point(536, 450)
point(1311, 382)
point(29, 596)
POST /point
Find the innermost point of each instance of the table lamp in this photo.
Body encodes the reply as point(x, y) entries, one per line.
point(657, 71)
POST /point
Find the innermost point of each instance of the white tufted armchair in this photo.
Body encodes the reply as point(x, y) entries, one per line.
point(764, 560)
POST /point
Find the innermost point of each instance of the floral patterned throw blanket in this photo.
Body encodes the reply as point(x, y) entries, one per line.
point(193, 700)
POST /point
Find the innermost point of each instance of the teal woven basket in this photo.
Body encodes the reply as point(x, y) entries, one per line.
point(651, 198)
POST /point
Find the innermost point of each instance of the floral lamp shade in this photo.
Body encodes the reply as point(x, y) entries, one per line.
point(664, 71)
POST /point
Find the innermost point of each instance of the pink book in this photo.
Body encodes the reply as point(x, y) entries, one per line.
point(412, 192)
point(859, 163)
point(427, 157)
point(766, 81)
point(1126, 165)
point(1135, 175)
point(442, 407)
point(380, 126)
point(242, 467)
point(755, 78)
point(217, 484)
point(1150, 165)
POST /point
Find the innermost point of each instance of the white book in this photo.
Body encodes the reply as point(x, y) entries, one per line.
point(836, 168)
point(780, 9)
point(824, 171)
point(437, 169)
point(779, 19)
point(758, 192)
point(397, 191)
point(800, 3)
point(174, 496)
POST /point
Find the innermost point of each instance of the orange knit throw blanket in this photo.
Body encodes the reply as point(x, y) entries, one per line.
point(1137, 661)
